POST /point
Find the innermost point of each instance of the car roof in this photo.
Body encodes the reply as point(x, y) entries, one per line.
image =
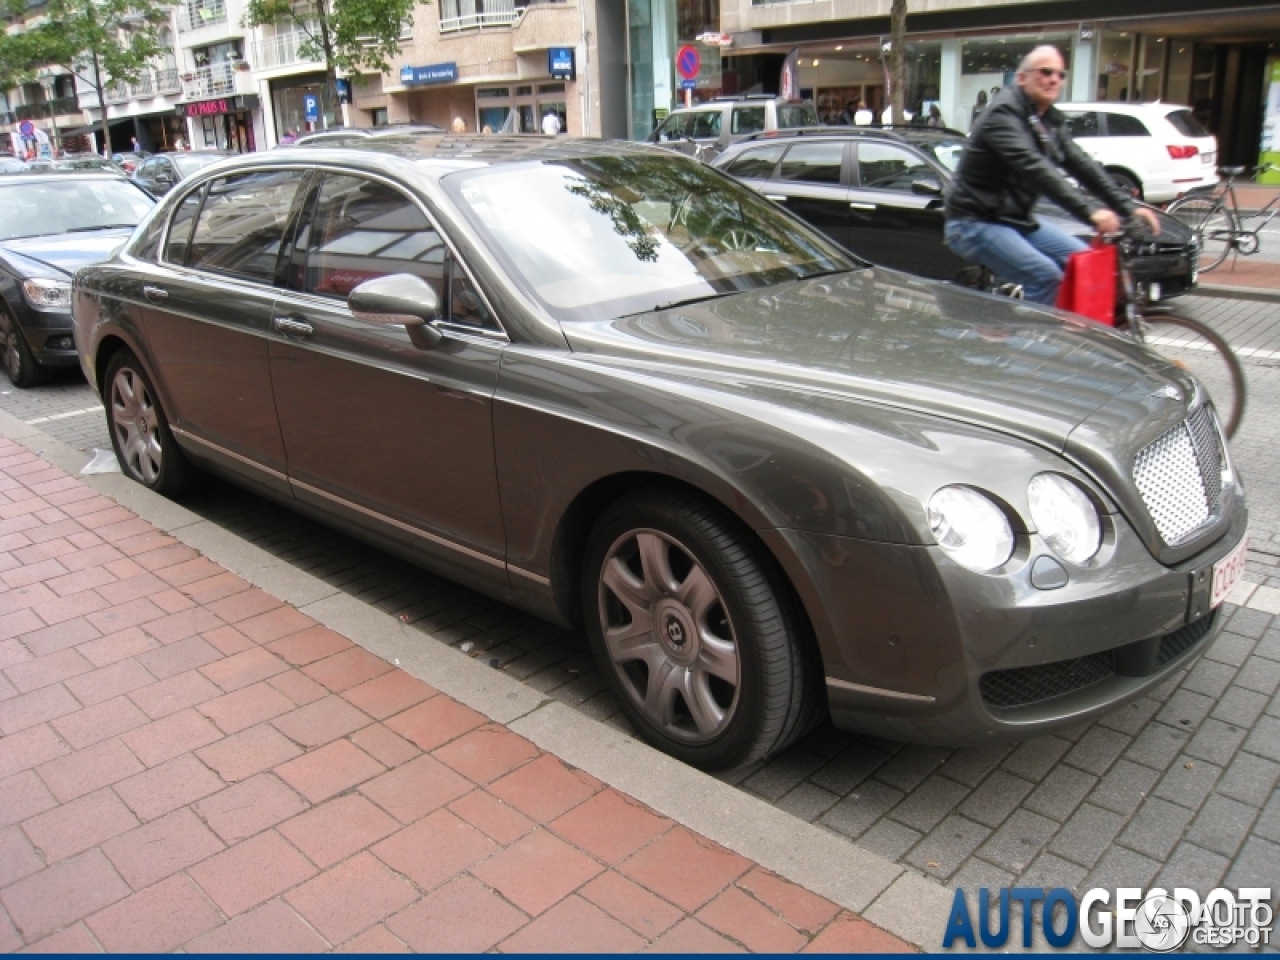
point(61, 176)
point(901, 134)
point(1135, 109)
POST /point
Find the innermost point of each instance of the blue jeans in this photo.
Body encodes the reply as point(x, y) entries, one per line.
point(1035, 260)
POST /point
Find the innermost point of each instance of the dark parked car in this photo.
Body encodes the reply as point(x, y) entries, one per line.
point(50, 224)
point(157, 174)
point(616, 388)
point(75, 161)
point(879, 193)
point(130, 159)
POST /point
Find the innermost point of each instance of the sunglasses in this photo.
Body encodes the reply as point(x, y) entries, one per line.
point(1048, 72)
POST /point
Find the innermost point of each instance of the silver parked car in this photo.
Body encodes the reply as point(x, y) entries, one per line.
point(614, 387)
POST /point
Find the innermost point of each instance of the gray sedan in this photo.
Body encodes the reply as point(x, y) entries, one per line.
point(614, 387)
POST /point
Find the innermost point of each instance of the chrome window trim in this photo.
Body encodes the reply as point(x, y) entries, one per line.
point(239, 458)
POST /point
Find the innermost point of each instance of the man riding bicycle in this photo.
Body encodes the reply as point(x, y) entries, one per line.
point(1012, 158)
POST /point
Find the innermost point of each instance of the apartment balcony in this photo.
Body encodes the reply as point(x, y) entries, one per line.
point(145, 87)
point(215, 80)
point(168, 81)
point(458, 15)
point(35, 111)
point(197, 14)
point(116, 93)
point(280, 50)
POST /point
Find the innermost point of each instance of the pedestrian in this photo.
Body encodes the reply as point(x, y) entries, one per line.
point(935, 116)
point(135, 146)
point(863, 117)
point(290, 136)
point(979, 105)
point(1020, 151)
point(845, 119)
point(459, 125)
point(551, 123)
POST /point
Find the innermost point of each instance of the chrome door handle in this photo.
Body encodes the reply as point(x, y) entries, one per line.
point(776, 196)
point(155, 293)
point(862, 206)
point(291, 327)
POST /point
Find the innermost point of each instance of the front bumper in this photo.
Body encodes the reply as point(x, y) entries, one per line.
point(919, 649)
point(48, 334)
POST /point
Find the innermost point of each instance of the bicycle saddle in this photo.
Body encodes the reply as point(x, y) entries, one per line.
point(1231, 171)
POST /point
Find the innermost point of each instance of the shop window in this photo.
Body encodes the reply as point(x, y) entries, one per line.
point(493, 92)
point(242, 224)
point(175, 250)
point(756, 164)
point(1123, 125)
point(813, 163)
point(883, 166)
point(524, 91)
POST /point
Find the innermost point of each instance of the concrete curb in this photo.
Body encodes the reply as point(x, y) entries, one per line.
point(905, 903)
point(1264, 294)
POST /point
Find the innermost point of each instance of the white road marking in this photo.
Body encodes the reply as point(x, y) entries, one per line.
point(64, 416)
point(1250, 353)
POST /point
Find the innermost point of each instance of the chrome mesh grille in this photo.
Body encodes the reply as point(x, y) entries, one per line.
point(1179, 475)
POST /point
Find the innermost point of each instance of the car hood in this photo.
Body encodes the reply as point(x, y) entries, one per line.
point(886, 337)
point(67, 252)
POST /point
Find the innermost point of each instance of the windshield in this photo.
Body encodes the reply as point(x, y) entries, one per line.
point(946, 152)
point(600, 237)
point(189, 163)
point(46, 208)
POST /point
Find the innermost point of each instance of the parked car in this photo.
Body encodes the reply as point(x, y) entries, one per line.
point(50, 224)
point(128, 160)
point(342, 135)
point(12, 165)
point(1157, 151)
point(75, 161)
point(878, 192)
point(157, 174)
point(726, 120)
point(617, 388)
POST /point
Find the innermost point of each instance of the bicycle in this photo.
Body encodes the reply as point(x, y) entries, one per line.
point(1213, 213)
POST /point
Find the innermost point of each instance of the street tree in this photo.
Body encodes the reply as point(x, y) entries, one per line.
point(100, 42)
point(345, 35)
point(898, 59)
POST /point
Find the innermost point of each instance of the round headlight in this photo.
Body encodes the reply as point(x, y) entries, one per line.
point(970, 528)
point(1065, 517)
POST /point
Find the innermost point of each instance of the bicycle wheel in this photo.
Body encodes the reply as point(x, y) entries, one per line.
point(1212, 223)
point(1198, 348)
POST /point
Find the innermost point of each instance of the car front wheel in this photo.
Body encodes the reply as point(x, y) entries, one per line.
point(21, 366)
point(702, 646)
point(140, 433)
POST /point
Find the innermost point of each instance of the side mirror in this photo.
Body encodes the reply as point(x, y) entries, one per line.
point(927, 186)
point(399, 298)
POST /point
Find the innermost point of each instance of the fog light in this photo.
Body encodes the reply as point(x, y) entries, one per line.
point(59, 343)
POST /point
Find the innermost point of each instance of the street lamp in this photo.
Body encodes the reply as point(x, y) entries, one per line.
point(50, 84)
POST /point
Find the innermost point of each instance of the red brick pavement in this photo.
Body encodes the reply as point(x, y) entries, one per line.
point(186, 761)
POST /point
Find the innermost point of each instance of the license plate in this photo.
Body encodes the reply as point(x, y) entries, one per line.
point(1227, 573)
point(1208, 157)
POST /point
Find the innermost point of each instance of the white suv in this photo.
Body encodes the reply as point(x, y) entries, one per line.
point(1157, 151)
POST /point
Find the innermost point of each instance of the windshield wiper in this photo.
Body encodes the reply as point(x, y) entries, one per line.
point(679, 303)
point(103, 226)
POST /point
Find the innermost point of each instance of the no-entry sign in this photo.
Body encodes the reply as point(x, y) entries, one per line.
point(688, 62)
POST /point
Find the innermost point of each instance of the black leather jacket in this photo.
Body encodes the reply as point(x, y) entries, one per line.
point(1014, 157)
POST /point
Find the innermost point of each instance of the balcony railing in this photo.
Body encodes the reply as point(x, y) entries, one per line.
point(34, 111)
point(144, 89)
point(116, 93)
point(215, 80)
point(195, 14)
point(280, 50)
point(470, 14)
point(168, 81)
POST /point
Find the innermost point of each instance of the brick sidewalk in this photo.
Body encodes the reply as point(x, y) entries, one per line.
point(186, 761)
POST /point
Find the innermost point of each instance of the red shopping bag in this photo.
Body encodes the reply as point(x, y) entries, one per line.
point(1089, 283)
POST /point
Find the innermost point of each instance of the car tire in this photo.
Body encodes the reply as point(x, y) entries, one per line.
point(1127, 183)
point(696, 631)
point(140, 434)
point(20, 364)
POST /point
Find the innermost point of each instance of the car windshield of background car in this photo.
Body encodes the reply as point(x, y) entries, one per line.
point(946, 152)
point(46, 209)
point(189, 163)
point(600, 237)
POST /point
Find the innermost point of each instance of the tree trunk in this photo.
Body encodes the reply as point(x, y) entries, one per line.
point(100, 88)
point(898, 59)
point(329, 94)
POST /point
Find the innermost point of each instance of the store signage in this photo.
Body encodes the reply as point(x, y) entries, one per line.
point(213, 108)
point(344, 89)
point(716, 39)
point(431, 73)
point(561, 63)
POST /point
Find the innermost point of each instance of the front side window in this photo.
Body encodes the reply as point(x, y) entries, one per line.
point(243, 222)
point(1123, 125)
point(175, 249)
point(884, 166)
point(362, 230)
point(594, 238)
point(813, 163)
point(756, 164)
point(747, 120)
point(675, 127)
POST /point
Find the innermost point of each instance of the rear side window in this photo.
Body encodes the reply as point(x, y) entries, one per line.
point(242, 224)
point(747, 120)
point(757, 163)
point(1123, 125)
point(706, 124)
point(1185, 123)
point(1083, 125)
point(791, 115)
point(813, 163)
point(175, 248)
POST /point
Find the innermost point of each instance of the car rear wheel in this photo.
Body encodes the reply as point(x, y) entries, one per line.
point(140, 433)
point(21, 366)
point(1127, 183)
point(700, 642)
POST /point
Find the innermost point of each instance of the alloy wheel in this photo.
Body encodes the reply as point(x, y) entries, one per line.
point(667, 631)
point(134, 419)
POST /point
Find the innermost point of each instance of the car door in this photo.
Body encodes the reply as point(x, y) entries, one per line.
point(810, 182)
point(893, 224)
point(205, 309)
point(379, 432)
